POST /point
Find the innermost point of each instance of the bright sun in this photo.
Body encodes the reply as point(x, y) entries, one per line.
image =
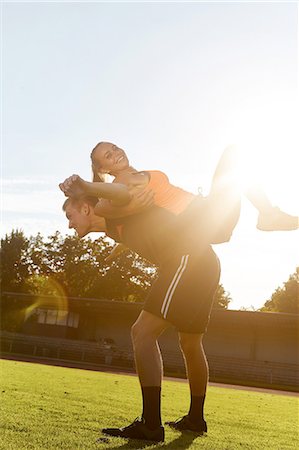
point(269, 157)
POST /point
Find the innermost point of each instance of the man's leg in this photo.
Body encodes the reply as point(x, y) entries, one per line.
point(145, 333)
point(149, 365)
point(198, 374)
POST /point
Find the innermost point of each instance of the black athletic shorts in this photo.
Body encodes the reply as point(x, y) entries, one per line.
point(184, 292)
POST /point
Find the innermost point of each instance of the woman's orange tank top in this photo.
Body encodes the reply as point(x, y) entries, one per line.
point(168, 196)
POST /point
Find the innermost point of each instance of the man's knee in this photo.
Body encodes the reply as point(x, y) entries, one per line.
point(138, 331)
point(190, 343)
point(146, 329)
point(142, 337)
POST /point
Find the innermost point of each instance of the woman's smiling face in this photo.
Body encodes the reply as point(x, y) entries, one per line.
point(108, 158)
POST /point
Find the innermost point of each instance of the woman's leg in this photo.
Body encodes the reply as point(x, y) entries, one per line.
point(270, 218)
point(223, 204)
point(224, 200)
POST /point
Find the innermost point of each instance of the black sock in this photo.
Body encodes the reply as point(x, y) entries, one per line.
point(196, 409)
point(151, 396)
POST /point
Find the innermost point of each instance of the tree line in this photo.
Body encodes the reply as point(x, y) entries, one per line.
point(78, 268)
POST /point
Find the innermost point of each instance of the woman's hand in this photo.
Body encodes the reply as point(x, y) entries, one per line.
point(73, 186)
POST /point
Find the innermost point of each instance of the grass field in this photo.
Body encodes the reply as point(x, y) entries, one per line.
point(45, 407)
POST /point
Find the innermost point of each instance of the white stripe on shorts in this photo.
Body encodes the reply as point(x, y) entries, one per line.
point(173, 285)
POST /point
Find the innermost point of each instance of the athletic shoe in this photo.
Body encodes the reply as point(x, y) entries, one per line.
point(185, 424)
point(277, 220)
point(137, 430)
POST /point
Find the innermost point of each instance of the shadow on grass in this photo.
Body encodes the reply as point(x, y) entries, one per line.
point(182, 442)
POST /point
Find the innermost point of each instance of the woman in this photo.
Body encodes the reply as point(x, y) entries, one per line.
point(221, 206)
point(211, 218)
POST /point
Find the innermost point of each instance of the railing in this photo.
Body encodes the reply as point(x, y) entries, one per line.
point(222, 369)
point(64, 349)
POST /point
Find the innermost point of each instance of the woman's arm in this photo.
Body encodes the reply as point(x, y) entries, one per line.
point(116, 199)
point(138, 203)
point(74, 186)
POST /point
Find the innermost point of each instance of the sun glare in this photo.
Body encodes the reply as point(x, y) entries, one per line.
point(51, 295)
point(274, 173)
point(268, 150)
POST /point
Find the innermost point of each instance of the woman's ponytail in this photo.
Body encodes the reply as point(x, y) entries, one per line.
point(96, 174)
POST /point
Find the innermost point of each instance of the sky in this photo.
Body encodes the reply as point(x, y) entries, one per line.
point(171, 83)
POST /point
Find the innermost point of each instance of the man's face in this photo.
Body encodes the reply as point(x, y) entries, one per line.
point(79, 218)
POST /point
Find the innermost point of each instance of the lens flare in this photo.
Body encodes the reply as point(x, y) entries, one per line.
point(50, 295)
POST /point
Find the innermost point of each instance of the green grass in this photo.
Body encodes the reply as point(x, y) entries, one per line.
point(44, 407)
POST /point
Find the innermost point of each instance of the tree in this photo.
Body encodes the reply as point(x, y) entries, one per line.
point(14, 274)
point(72, 267)
point(14, 263)
point(286, 298)
point(128, 278)
point(222, 298)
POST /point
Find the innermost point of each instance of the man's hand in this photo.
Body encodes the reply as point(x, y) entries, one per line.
point(73, 186)
point(140, 200)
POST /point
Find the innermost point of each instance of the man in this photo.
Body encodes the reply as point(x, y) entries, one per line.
point(182, 296)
